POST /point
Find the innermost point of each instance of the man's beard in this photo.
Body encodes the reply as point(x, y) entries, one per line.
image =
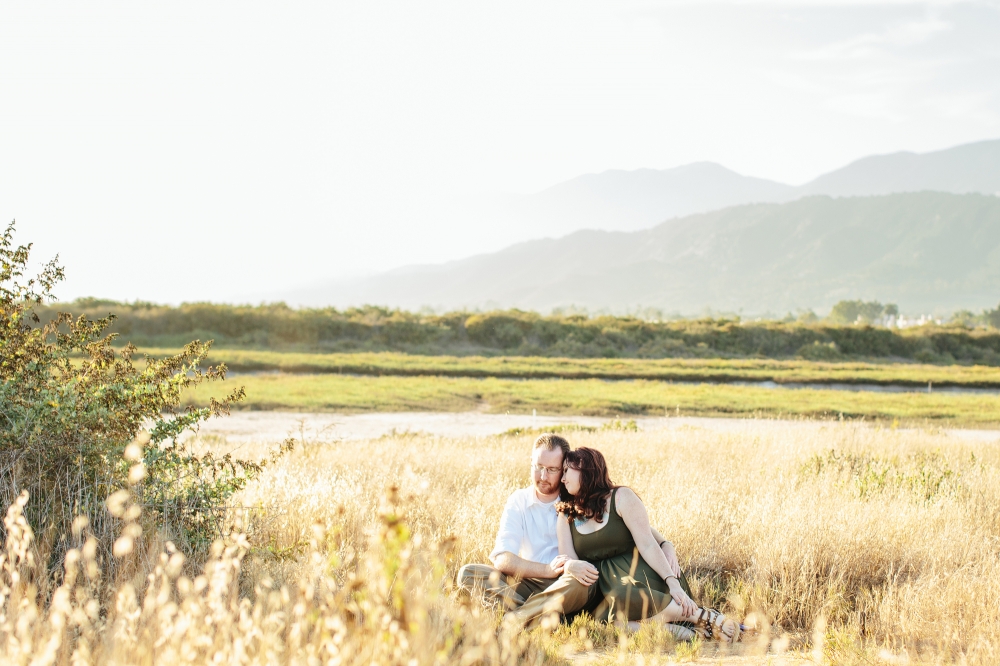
point(547, 488)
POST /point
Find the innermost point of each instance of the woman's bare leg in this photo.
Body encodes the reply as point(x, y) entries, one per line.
point(673, 613)
point(677, 631)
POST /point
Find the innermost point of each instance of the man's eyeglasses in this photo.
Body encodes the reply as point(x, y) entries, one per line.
point(546, 471)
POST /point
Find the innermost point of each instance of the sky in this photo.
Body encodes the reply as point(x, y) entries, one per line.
point(229, 151)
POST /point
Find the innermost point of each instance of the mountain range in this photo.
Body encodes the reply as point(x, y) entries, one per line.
point(632, 200)
point(922, 230)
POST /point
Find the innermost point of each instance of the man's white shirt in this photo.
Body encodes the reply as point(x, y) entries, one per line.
point(528, 528)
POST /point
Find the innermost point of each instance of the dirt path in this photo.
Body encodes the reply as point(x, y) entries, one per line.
point(706, 655)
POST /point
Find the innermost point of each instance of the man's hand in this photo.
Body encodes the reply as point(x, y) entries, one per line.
point(671, 555)
point(558, 564)
point(585, 572)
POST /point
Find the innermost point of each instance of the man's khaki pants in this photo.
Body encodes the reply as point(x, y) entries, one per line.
point(528, 600)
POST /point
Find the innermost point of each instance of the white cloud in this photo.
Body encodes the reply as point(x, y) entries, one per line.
point(878, 44)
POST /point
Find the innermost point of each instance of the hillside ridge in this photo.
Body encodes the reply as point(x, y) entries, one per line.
point(923, 250)
point(630, 200)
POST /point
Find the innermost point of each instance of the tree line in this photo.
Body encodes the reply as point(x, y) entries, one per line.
point(847, 333)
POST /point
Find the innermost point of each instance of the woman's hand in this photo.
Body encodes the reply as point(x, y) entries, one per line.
point(583, 571)
point(558, 565)
point(677, 593)
point(671, 555)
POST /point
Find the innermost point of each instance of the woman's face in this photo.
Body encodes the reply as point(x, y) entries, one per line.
point(571, 479)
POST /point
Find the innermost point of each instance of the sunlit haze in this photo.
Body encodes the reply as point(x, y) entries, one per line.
point(231, 150)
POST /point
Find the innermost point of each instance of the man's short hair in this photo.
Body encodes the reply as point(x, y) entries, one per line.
point(552, 442)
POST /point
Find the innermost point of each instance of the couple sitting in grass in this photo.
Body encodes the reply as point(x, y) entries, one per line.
point(573, 541)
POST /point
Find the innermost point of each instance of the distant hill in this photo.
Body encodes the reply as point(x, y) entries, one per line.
point(925, 251)
point(631, 200)
point(974, 167)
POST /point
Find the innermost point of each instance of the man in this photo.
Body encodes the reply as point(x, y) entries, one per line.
point(528, 575)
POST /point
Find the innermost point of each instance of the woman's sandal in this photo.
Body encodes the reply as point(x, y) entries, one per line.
point(713, 625)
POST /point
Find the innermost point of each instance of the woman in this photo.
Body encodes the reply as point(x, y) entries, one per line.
point(607, 526)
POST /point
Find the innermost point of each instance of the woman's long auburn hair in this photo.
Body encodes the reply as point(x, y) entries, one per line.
point(595, 485)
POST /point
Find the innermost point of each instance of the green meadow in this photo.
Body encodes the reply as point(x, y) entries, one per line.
point(670, 369)
point(389, 381)
point(353, 393)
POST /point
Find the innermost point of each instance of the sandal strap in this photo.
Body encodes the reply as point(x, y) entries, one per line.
point(711, 621)
point(705, 621)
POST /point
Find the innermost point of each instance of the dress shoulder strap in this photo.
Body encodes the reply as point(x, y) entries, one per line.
point(611, 509)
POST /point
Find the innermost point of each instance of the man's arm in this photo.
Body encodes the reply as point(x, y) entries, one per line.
point(508, 543)
point(512, 565)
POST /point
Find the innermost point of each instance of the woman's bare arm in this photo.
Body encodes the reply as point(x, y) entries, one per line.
point(633, 512)
point(565, 538)
point(583, 571)
point(668, 550)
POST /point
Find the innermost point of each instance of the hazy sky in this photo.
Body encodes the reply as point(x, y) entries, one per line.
point(228, 150)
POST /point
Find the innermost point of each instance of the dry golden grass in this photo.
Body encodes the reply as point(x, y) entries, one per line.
point(848, 542)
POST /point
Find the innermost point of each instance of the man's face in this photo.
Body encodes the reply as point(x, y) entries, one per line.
point(546, 470)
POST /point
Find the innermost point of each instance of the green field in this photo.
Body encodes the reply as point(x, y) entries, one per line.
point(363, 382)
point(344, 393)
point(529, 367)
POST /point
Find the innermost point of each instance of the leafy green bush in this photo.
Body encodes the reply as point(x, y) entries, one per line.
point(923, 475)
point(866, 312)
point(819, 351)
point(70, 404)
point(503, 330)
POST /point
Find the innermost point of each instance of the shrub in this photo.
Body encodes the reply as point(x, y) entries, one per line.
point(505, 331)
point(70, 404)
point(513, 332)
point(818, 351)
point(849, 312)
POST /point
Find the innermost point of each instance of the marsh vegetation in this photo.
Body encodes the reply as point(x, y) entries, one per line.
point(797, 371)
point(850, 541)
point(971, 340)
point(595, 397)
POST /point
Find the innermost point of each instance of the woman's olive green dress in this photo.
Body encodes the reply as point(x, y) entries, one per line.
point(631, 588)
